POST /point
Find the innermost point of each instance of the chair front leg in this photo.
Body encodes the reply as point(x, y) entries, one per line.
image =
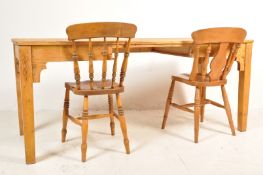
point(123, 123)
point(168, 103)
point(111, 111)
point(65, 116)
point(84, 129)
point(196, 114)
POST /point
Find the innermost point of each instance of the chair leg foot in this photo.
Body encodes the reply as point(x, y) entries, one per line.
point(196, 133)
point(112, 126)
point(164, 122)
point(83, 152)
point(63, 133)
point(127, 146)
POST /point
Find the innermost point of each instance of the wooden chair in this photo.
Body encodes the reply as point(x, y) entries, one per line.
point(115, 37)
point(218, 48)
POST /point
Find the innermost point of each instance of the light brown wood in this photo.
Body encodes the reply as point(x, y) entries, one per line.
point(228, 110)
point(228, 41)
point(188, 105)
point(182, 107)
point(216, 48)
point(100, 30)
point(91, 68)
point(208, 101)
point(104, 29)
point(76, 67)
point(244, 86)
point(18, 92)
point(196, 114)
point(168, 43)
point(93, 116)
point(75, 120)
point(103, 86)
point(65, 116)
point(122, 120)
point(114, 69)
point(84, 129)
point(168, 103)
point(104, 63)
point(203, 102)
point(27, 107)
point(59, 50)
point(125, 63)
point(111, 111)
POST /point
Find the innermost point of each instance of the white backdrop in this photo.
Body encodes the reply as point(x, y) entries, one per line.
point(148, 74)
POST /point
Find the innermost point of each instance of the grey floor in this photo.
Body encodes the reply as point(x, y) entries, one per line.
point(153, 151)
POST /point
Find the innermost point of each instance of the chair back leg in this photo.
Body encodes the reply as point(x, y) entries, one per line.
point(228, 110)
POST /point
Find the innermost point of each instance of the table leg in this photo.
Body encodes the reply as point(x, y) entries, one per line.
point(243, 89)
point(18, 92)
point(27, 104)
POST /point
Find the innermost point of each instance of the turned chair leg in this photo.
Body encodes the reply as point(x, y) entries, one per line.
point(65, 116)
point(111, 111)
point(123, 123)
point(202, 107)
point(196, 114)
point(168, 103)
point(228, 110)
point(84, 129)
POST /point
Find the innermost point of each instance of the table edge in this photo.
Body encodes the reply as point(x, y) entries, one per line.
point(135, 41)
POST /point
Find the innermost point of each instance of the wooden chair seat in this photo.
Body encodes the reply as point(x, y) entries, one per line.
point(84, 88)
point(184, 78)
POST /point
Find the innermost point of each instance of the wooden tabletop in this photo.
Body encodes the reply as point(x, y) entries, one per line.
point(135, 41)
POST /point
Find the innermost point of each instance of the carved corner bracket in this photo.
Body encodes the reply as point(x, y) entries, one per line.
point(241, 57)
point(37, 68)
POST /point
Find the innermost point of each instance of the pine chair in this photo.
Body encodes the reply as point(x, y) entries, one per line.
point(115, 37)
point(218, 48)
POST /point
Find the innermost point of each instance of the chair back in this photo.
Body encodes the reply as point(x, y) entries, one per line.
point(105, 41)
point(216, 47)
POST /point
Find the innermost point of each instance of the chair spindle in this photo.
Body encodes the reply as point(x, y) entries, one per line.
point(91, 69)
point(76, 65)
point(205, 62)
point(116, 54)
point(104, 63)
point(125, 62)
point(195, 62)
point(230, 60)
